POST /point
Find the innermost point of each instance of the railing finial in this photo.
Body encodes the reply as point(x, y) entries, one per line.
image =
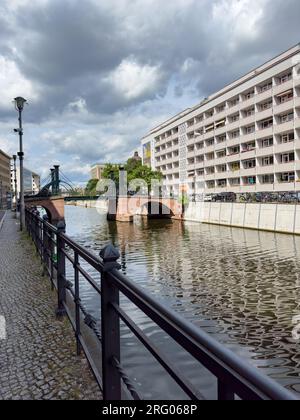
point(110, 256)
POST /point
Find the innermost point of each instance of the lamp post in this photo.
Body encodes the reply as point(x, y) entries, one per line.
point(19, 105)
point(15, 181)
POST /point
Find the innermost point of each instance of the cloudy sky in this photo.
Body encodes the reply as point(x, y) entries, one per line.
point(98, 74)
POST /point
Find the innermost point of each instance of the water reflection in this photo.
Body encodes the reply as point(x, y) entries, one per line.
point(241, 286)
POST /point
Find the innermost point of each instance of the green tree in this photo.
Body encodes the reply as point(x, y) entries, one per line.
point(91, 187)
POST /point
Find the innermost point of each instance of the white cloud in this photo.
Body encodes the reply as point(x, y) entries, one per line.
point(13, 84)
point(133, 80)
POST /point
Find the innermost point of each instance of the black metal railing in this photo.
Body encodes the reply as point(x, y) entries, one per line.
point(235, 377)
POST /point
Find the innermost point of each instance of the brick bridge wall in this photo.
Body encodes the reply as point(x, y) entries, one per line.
point(125, 208)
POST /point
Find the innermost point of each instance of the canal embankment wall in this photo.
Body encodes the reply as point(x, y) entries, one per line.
point(281, 218)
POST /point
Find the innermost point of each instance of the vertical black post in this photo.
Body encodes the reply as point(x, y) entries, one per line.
point(77, 303)
point(110, 326)
point(225, 393)
point(45, 246)
point(61, 270)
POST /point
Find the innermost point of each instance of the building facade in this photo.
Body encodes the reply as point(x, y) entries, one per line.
point(5, 181)
point(97, 171)
point(244, 138)
point(31, 182)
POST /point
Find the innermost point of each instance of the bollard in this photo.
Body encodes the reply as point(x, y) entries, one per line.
point(110, 323)
point(61, 270)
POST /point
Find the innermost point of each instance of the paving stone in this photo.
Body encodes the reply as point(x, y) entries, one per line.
point(38, 359)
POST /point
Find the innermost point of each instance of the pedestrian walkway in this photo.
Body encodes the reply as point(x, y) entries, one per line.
point(37, 357)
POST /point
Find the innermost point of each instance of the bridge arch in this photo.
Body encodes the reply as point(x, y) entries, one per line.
point(155, 209)
point(54, 207)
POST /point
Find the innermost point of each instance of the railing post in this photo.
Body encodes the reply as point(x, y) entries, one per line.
point(45, 245)
point(61, 270)
point(225, 393)
point(110, 323)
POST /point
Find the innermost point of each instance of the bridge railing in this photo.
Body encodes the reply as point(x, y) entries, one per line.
point(234, 376)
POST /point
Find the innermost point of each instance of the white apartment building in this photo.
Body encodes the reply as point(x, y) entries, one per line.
point(244, 138)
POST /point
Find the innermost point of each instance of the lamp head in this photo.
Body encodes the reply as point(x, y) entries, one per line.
point(19, 103)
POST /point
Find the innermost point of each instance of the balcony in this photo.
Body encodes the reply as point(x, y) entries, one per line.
point(262, 96)
point(285, 186)
point(210, 177)
point(285, 167)
point(248, 172)
point(264, 132)
point(285, 147)
point(222, 130)
point(233, 109)
point(233, 158)
point(247, 103)
point(284, 107)
point(248, 120)
point(247, 138)
point(283, 87)
point(265, 170)
point(248, 154)
point(264, 115)
point(221, 161)
point(265, 151)
point(284, 127)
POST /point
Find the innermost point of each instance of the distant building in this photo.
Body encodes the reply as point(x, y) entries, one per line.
point(32, 182)
point(97, 171)
point(5, 181)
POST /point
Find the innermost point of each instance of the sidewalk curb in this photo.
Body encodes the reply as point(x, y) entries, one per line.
point(2, 221)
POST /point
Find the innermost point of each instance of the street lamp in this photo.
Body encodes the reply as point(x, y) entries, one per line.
point(19, 105)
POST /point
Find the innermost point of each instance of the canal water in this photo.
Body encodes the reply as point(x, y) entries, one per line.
point(240, 286)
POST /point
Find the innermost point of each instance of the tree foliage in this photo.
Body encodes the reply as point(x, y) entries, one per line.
point(135, 170)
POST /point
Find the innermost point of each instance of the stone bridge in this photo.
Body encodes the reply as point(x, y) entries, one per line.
point(123, 209)
point(54, 207)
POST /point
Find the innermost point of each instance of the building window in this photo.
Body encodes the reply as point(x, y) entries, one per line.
point(235, 182)
point(235, 166)
point(249, 164)
point(266, 105)
point(234, 102)
point(267, 123)
point(268, 179)
point(235, 134)
point(267, 161)
point(222, 168)
point(286, 117)
point(286, 97)
point(222, 183)
point(267, 142)
point(249, 146)
point(287, 157)
point(221, 108)
point(210, 142)
point(287, 177)
point(221, 154)
point(249, 112)
point(286, 138)
point(234, 150)
point(235, 118)
point(220, 124)
point(221, 139)
point(251, 180)
point(266, 87)
point(210, 156)
point(285, 78)
point(249, 95)
point(250, 129)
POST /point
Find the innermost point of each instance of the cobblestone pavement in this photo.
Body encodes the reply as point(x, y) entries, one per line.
point(37, 358)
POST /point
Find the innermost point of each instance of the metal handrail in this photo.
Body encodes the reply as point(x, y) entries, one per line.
point(235, 376)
